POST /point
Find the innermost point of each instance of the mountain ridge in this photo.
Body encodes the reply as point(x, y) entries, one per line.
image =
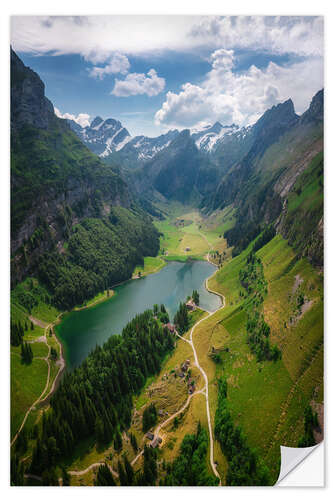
point(62, 193)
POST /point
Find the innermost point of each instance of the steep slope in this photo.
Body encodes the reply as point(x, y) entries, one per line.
point(179, 172)
point(283, 148)
point(56, 184)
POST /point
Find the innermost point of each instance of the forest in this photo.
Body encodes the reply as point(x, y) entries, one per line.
point(96, 398)
point(99, 254)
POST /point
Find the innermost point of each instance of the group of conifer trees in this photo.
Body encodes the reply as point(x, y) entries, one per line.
point(26, 353)
point(181, 319)
point(17, 332)
point(96, 398)
point(127, 476)
point(161, 313)
point(252, 278)
point(149, 417)
point(196, 297)
point(310, 423)
point(190, 467)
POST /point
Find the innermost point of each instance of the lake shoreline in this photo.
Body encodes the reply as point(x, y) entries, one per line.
point(169, 285)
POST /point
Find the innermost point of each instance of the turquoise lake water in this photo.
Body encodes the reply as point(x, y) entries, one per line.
point(80, 331)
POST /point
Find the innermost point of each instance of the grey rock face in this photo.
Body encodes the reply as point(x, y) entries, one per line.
point(29, 106)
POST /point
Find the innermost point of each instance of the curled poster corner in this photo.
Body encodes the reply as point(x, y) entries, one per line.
point(291, 458)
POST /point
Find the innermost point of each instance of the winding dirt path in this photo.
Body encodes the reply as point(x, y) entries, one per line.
point(40, 399)
point(205, 390)
point(92, 466)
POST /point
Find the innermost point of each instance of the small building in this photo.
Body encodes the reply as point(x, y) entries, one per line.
point(160, 413)
point(170, 327)
point(150, 436)
point(156, 442)
point(187, 249)
point(190, 305)
point(191, 389)
point(185, 365)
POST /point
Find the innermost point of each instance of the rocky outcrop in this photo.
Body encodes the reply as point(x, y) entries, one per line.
point(315, 113)
point(29, 106)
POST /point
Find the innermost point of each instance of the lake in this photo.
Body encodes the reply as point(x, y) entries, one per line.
point(80, 331)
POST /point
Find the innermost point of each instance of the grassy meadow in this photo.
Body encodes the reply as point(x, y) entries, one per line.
point(189, 234)
point(267, 399)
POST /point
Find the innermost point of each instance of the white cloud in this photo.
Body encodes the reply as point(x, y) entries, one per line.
point(117, 63)
point(97, 37)
point(139, 83)
point(240, 98)
point(82, 119)
point(301, 35)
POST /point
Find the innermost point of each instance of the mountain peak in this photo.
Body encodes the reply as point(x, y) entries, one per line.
point(315, 112)
point(103, 136)
point(96, 121)
point(280, 116)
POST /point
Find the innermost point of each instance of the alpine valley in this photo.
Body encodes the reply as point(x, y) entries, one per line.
point(227, 219)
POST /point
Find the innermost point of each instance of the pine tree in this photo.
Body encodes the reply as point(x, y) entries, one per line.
point(134, 442)
point(16, 471)
point(122, 475)
point(118, 442)
point(22, 441)
point(129, 471)
point(104, 476)
point(195, 297)
point(66, 478)
point(49, 478)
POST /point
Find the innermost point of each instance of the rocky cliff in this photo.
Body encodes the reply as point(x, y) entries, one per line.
point(56, 182)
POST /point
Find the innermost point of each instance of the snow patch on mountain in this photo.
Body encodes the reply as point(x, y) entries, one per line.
point(208, 136)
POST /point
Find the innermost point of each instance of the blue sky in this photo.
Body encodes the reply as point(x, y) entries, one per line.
point(154, 73)
point(62, 74)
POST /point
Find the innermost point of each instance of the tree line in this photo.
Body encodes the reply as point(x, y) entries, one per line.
point(181, 319)
point(149, 417)
point(190, 467)
point(244, 466)
point(310, 423)
point(100, 252)
point(26, 353)
point(17, 331)
point(96, 398)
point(252, 278)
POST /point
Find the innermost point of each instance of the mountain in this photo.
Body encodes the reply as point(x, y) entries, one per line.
point(207, 138)
point(285, 149)
point(74, 223)
point(109, 139)
point(178, 172)
point(253, 168)
point(140, 148)
point(103, 136)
